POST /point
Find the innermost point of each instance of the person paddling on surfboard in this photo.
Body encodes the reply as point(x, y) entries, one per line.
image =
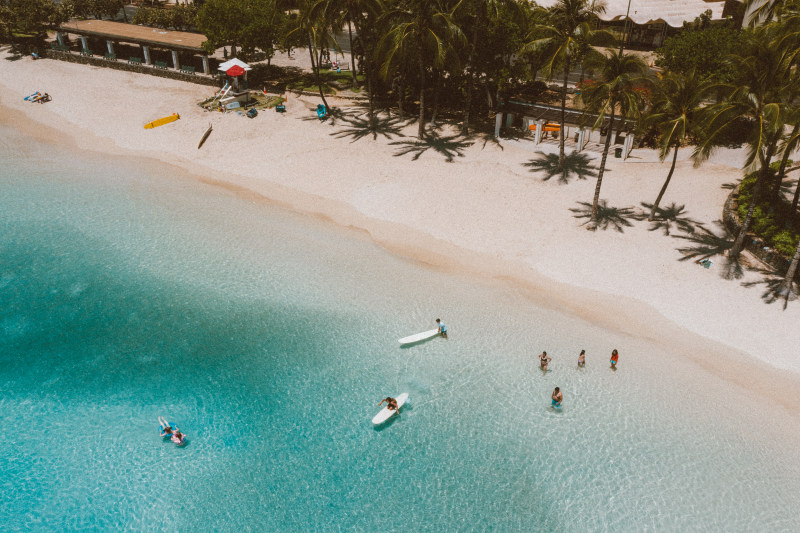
point(391, 403)
point(442, 327)
point(544, 359)
point(614, 359)
point(557, 398)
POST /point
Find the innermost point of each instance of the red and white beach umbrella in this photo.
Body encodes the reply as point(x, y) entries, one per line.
point(235, 71)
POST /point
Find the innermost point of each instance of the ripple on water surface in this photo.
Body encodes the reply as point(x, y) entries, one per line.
point(129, 293)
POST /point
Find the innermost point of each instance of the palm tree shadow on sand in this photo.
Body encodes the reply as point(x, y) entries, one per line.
point(333, 115)
point(450, 146)
point(773, 285)
point(616, 218)
point(359, 126)
point(574, 164)
point(705, 244)
point(670, 218)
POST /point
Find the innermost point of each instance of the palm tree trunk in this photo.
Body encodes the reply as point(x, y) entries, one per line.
point(776, 190)
point(666, 183)
point(352, 55)
point(738, 245)
point(367, 69)
point(315, 68)
point(561, 156)
point(421, 63)
point(794, 201)
point(436, 82)
point(470, 78)
point(400, 96)
point(602, 166)
point(789, 279)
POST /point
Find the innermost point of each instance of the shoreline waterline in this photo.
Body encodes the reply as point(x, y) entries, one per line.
point(627, 316)
point(269, 337)
point(485, 203)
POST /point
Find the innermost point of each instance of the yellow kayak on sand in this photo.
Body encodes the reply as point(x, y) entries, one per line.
point(160, 122)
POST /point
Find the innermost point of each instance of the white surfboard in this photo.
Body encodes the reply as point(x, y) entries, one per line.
point(387, 413)
point(419, 336)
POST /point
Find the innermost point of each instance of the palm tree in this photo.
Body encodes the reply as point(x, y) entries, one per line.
point(565, 41)
point(756, 95)
point(317, 31)
point(354, 12)
point(760, 11)
point(424, 32)
point(677, 102)
point(618, 87)
point(481, 13)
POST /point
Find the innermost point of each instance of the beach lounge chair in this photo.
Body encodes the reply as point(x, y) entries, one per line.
point(110, 57)
point(134, 60)
point(161, 64)
point(86, 52)
point(322, 112)
point(706, 263)
point(187, 69)
point(252, 113)
point(280, 108)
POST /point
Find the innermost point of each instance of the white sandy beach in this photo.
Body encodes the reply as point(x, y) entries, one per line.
point(484, 213)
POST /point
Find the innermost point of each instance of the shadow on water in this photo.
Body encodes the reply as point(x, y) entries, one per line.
point(417, 343)
point(616, 218)
point(575, 164)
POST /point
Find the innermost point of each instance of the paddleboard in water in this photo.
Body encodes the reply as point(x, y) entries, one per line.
point(419, 336)
point(160, 122)
point(387, 413)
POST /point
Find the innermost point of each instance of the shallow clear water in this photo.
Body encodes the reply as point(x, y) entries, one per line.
point(128, 292)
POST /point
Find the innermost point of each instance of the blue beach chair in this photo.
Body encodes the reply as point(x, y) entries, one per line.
point(321, 111)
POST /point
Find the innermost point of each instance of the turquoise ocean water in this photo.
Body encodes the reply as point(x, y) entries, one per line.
point(128, 292)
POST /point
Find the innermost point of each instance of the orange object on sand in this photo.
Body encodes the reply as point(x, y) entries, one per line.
point(547, 127)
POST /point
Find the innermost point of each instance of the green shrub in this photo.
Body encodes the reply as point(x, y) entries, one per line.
point(777, 227)
point(785, 242)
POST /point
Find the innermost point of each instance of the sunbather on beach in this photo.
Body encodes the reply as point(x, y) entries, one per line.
point(582, 359)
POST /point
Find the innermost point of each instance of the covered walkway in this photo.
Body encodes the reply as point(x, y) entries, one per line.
point(145, 37)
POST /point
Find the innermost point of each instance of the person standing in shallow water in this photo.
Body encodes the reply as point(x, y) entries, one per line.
point(557, 397)
point(441, 327)
point(544, 359)
point(614, 359)
point(582, 359)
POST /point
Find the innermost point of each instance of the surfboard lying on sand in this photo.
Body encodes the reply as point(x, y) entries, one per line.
point(419, 336)
point(387, 413)
point(205, 136)
point(160, 122)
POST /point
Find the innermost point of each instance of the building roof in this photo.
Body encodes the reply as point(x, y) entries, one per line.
point(118, 31)
point(673, 12)
point(223, 67)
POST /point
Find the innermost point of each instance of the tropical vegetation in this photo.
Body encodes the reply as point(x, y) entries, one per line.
point(464, 58)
